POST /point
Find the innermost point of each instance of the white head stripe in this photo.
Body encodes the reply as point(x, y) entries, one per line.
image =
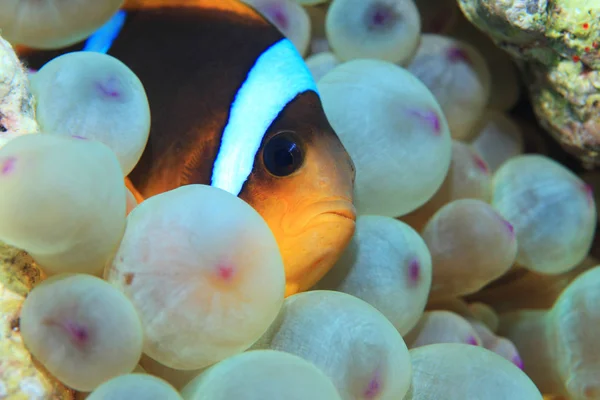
point(276, 78)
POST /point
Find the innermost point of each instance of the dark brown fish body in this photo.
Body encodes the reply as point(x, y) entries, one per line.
point(204, 67)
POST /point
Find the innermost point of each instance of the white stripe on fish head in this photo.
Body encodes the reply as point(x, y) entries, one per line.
point(277, 77)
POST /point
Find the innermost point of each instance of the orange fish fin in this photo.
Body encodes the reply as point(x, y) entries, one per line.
point(237, 7)
point(138, 197)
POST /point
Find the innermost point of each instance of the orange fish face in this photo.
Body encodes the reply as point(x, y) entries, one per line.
point(302, 184)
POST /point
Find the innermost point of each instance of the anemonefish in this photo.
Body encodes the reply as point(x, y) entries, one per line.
point(234, 106)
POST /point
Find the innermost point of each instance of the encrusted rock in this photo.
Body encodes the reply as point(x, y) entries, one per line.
point(557, 45)
point(21, 377)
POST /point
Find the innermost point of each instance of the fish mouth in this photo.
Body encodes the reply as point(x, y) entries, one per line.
point(330, 210)
point(344, 213)
point(318, 240)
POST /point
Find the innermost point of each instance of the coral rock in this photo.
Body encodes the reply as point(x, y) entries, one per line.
point(557, 45)
point(21, 377)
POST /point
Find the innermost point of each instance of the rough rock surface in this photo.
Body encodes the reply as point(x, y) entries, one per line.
point(557, 46)
point(21, 378)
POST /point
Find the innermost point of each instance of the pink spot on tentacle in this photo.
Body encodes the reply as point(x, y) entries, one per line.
point(472, 340)
point(8, 165)
point(225, 272)
point(510, 228)
point(79, 334)
point(79, 137)
point(430, 117)
point(109, 88)
point(374, 387)
point(481, 164)
point(518, 362)
point(456, 54)
point(414, 271)
point(277, 14)
point(381, 16)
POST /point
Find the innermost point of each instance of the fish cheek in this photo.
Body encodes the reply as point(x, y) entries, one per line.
point(270, 195)
point(277, 200)
point(326, 172)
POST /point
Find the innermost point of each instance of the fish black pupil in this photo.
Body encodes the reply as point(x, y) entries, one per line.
point(282, 155)
point(285, 156)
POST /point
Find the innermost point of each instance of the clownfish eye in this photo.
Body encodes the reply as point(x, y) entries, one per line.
point(283, 155)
